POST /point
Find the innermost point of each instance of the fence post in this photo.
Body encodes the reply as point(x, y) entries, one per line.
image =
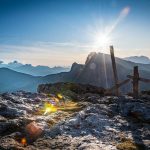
point(135, 82)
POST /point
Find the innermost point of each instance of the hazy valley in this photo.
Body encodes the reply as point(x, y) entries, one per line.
point(96, 71)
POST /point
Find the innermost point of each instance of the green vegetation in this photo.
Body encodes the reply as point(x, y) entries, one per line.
point(128, 144)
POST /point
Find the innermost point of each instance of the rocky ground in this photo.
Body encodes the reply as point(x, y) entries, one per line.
point(90, 122)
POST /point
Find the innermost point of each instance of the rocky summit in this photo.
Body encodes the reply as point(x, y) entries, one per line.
point(88, 121)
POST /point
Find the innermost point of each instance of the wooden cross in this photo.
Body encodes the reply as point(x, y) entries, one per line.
point(135, 81)
point(135, 78)
point(114, 70)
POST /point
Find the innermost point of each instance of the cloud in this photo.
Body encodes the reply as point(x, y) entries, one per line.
point(47, 47)
point(65, 44)
point(58, 53)
point(46, 53)
point(17, 48)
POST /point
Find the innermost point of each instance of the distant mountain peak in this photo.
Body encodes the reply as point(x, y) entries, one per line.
point(14, 64)
point(33, 70)
point(138, 59)
point(90, 57)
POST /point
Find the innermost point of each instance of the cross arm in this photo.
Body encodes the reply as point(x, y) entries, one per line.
point(119, 84)
point(144, 80)
point(130, 77)
point(140, 79)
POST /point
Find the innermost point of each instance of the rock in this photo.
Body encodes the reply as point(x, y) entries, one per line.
point(145, 92)
point(2, 119)
point(64, 142)
point(10, 112)
point(9, 126)
point(84, 122)
point(141, 112)
point(101, 124)
point(10, 143)
point(74, 88)
point(33, 130)
point(137, 110)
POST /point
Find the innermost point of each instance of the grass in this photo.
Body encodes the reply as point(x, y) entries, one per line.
point(128, 144)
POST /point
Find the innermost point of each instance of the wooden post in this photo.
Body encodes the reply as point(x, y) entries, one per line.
point(135, 82)
point(114, 69)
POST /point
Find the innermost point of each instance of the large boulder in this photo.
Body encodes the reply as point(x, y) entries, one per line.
point(136, 109)
point(69, 89)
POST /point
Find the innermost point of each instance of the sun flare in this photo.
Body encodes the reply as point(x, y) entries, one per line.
point(102, 36)
point(101, 41)
point(49, 108)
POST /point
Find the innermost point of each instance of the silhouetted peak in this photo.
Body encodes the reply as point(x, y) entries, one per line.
point(1, 62)
point(90, 56)
point(76, 67)
point(28, 65)
point(14, 62)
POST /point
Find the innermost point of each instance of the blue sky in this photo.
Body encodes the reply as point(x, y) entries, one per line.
point(59, 32)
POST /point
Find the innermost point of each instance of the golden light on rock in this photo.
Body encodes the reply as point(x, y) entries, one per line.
point(49, 108)
point(24, 141)
point(59, 96)
point(69, 106)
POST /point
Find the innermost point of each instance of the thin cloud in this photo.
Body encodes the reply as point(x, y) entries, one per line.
point(40, 47)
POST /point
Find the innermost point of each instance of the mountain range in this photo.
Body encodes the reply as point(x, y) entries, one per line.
point(138, 59)
point(33, 70)
point(12, 81)
point(96, 71)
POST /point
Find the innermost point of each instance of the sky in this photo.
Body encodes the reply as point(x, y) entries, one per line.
point(60, 32)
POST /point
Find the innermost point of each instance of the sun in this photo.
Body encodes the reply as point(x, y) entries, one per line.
point(102, 41)
point(103, 36)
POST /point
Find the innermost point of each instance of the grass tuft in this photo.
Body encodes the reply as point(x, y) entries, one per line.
point(128, 144)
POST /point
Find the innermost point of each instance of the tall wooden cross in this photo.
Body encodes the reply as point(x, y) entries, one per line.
point(114, 70)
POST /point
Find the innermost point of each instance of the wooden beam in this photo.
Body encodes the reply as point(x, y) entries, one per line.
point(144, 80)
point(114, 69)
point(119, 85)
point(140, 79)
point(130, 77)
point(135, 82)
